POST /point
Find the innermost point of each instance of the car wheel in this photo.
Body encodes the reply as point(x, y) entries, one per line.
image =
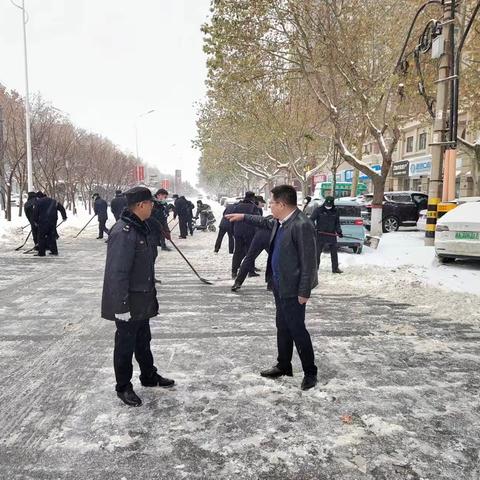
point(443, 259)
point(390, 224)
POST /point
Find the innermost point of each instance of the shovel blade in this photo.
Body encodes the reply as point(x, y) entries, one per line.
point(372, 242)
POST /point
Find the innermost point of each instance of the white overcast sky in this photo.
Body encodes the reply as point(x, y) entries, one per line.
point(104, 62)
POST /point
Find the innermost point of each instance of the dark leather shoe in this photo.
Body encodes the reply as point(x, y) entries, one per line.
point(309, 381)
point(130, 398)
point(157, 280)
point(253, 274)
point(157, 381)
point(275, 372)
point(337, 271)
point(236, 286)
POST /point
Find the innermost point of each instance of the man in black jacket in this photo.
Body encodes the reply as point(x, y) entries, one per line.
point(118, 204)
point(181, 211)
point(100, 208)
point(129, 296)
point(243, 232)
point(260, 242)
point(45, 217)
point(292, 272)
point(327, 224)
point(29, 209)
point(225, 227)
point(190, 209)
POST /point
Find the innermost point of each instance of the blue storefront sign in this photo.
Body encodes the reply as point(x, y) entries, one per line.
point(420, 167)
point(376, 168)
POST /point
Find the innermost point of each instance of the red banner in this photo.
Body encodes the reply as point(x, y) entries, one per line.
point(139, 173)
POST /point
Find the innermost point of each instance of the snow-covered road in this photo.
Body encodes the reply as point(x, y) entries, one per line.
point(397, 396)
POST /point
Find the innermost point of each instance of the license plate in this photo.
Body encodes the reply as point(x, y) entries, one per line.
point(467, 236)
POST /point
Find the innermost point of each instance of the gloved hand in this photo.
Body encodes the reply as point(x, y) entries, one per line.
point(340, 235)
point(124, 317)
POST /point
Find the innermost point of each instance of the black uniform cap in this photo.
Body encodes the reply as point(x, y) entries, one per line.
point(138, 194)
point(32, 194)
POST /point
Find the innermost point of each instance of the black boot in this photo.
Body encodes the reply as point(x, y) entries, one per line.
point(309, 381)
point(337, 270)
point(253, 274)
point(157, 381)
point(130, 398)
point(236, 286)
point(276, 372)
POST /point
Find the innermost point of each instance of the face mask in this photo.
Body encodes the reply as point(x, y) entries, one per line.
point(328, 208)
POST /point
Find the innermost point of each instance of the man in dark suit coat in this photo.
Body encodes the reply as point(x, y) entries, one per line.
point(292, 272)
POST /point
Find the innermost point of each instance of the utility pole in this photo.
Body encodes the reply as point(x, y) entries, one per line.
point(3, 190)
point(440, 124)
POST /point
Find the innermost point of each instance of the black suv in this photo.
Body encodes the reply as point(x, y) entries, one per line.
point(400, 209)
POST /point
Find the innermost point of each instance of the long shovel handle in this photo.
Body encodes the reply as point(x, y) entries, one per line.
point(85, 226)
point(189, 264)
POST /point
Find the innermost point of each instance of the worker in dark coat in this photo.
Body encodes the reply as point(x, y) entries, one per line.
point(118, 204)
point(202, 213)
point(29, 209)
point(292, 272)
point(129, 296)
point(100, 208)
point(45, 216)
point(160, 214)
point(191, 208)
point(243, 232)
point(181, 211)
point(260, 242)
point(327, 224)
point(225, 227)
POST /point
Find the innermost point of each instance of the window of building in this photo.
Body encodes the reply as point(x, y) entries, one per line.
point(409, 145)
point(422, 141)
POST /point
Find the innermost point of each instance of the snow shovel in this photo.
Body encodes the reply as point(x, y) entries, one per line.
point(190, 265)
point(369, 241)
point(85, 226)
point(23, 244)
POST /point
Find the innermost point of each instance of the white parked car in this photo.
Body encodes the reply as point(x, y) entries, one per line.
point(458, 233)
point(422, 220)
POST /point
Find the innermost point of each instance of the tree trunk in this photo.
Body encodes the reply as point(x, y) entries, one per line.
point(355, 178)
point(377, 206)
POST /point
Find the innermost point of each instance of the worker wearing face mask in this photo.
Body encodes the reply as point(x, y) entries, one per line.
point(327, 224)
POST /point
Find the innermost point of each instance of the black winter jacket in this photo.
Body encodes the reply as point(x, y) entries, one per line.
point(227, 224)
point(243, 229)
point(117, 205)
point(181, 207)
point(129, 281)
point(45, 212)
point(100, 207)
point(327, 221)
point(298, 257)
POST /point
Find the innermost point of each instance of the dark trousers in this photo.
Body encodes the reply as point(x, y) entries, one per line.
point(47, 238)
point(102, 227)
point(231, 241)
point(34, 233)
point(290, 321)
point(190, 225)
point(242, 244)
point(161, 240)
point(132, 337)
point(248, 264)
point(183, 225)
point(333, 253)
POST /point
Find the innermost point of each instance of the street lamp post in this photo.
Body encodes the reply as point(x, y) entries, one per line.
point(27, 100)
point(136, 130)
